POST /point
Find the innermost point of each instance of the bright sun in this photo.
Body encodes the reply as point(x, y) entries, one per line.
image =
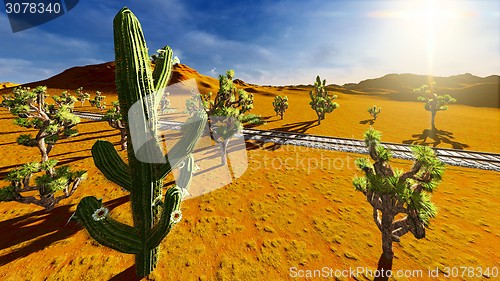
point(431, 21)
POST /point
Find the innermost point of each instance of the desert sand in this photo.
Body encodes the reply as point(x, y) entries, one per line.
point(275, 216)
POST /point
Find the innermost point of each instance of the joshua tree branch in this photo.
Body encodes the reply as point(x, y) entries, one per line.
point(374, 200)
point(376, 218)
point(411, 173)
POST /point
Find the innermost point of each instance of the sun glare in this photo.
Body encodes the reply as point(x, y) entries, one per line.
point(429, 24)
point(437, 18)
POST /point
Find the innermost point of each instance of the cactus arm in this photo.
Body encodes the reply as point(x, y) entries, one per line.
point(173, 199)
point(110, 164)
point(191, 132)
point(186, 173)
point(162, 71)
point(107, 231)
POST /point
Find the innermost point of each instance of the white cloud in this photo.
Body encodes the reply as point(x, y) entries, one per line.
point(22, 71)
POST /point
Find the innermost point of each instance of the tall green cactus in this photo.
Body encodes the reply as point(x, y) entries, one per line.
point(153, 217)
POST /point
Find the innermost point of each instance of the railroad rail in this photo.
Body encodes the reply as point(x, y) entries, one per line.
point(454, 157)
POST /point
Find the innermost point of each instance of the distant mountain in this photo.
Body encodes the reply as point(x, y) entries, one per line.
point(101, 77)
point(468, 89)
point(6, 85)
point(96, 77)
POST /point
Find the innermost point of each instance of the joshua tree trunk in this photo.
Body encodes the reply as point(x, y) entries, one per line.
point(385, 261)
point(40, 143)
point(43, 150)
point(384, 266)
point(224, 144)
point(123, 140)
point(433, 116)
point(387, 228)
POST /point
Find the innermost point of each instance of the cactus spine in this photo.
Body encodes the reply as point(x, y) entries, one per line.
point(153, 217)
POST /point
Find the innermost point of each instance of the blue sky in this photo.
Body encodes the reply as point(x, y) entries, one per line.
point(272, 42)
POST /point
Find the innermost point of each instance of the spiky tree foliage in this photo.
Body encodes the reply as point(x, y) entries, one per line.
point(81, 96)
point(60, 180)
point(98, 101)
point(52, 121)
point(433, 101)
point(154, 215)
point(115, 120)
point(374, 111)
point(6, 101)
point(280, 105)
point(225, 112)
point(392, 192)
point(321, 101)
point(65, 98)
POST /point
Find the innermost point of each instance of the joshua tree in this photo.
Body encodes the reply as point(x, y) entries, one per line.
point(225, 112)
point(165, 103)
point(115, 120)
point(321, 101)
point(47, 185)
point(280, 105)
point(374, 111)
point(147, 164)
point(392, 192)
point(6, 101)
point(65, 99)
point(98, 101)
point(81, 96)
point(52, 121)
point(433, 101)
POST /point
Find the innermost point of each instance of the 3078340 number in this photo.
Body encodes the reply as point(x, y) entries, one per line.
point(32, 8)
point(471, 272)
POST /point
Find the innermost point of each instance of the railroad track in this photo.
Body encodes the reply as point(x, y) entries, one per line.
point(454, 157)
